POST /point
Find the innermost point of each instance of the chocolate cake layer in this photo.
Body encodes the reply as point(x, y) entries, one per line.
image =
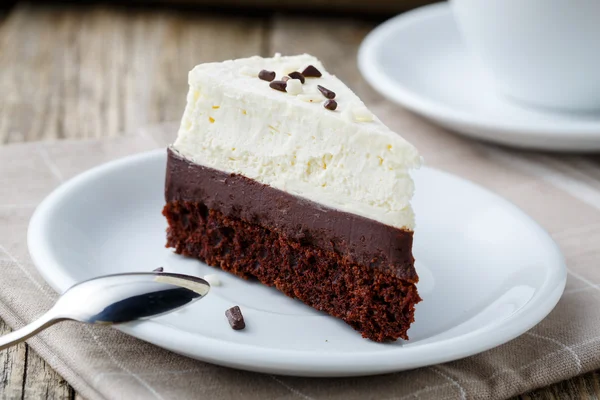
point(375, 303)
point(353, 238)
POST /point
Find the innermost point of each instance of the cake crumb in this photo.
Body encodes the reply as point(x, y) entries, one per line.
point(278, 85)
point(297, 75)
point(330, 94)
point(330, 105)
point(266, 75)
point(212, 279)
point(294, 87)
point(311, 72)
point(235, 318)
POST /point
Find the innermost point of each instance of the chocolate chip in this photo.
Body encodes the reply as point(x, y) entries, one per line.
point(266, 75)
point(159, 269)
point(330, 105)
point(278, 85)
point(311, 72)
point(326, 92)
point(297, 75)
point(286, 78)
point(235, 318)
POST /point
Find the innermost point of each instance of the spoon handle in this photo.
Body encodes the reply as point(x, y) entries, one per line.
point(29, 330)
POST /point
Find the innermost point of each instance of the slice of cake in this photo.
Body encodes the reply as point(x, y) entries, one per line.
point(280, 173)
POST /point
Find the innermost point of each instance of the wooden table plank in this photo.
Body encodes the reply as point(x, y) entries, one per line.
point(42, 382)
point(317, 6)
point(94, 71)
point(13, 361)
point(91, 72)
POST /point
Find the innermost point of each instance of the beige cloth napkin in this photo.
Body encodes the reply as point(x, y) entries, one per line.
point(561, 192)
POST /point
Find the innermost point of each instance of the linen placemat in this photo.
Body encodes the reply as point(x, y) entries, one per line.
point(562, 192)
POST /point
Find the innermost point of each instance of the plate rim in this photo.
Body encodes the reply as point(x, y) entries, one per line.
point(315, 364)
point(424, 105)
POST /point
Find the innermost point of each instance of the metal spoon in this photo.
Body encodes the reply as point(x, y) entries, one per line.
point(114, 299)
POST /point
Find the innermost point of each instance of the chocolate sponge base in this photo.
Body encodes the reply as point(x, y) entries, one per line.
point(377, 304)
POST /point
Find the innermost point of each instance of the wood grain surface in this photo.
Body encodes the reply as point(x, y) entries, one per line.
point(370, 6)
point(71, 71)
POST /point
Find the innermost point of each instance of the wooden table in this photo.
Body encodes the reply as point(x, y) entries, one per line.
point(69, 71)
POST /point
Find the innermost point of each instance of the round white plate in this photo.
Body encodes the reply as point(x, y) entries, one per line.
point(418, 60)
point(488, 273)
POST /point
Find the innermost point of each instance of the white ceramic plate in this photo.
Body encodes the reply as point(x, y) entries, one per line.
point(418, 60)
point(488, 273)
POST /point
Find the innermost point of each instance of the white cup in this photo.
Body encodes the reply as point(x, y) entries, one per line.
point(540, 52)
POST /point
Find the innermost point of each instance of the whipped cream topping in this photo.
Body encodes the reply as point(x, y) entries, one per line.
point(345, 159)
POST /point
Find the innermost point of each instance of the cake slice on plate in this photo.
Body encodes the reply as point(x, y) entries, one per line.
point(280, 173)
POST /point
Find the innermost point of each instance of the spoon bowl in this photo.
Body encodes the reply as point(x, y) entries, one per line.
point(115, 299)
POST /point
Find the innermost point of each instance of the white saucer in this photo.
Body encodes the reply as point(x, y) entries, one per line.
point(418, 60)
point(488, 273)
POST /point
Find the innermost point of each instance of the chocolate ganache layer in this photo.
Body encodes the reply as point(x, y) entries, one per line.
point(358, 239)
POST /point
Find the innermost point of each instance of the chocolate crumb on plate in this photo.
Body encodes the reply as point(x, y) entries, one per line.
point(278, 85)
point(330, 105)
point(311, 72)
point(266, 75)
point(297, 75)
point(235, 318)
point(159, 269)
point(326, 92)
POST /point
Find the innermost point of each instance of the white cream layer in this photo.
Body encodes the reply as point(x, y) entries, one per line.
point(345, 159)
